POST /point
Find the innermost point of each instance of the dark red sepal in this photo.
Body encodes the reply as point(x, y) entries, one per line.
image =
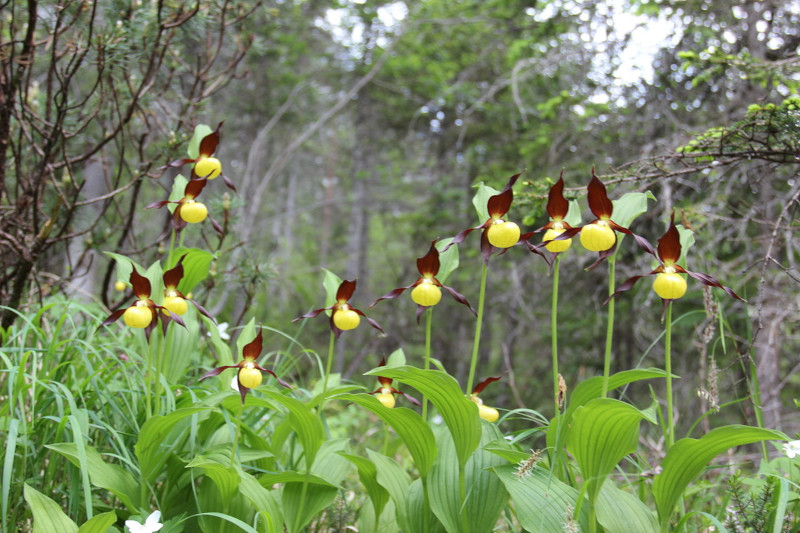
point(313, 313)
point(253, 348)
point(140, 284)
point(215, 225)
point(599, 203)
point(157, 205)
point(202, 310)
point(429, 263)
point(209, 143)
point(643, 243)
point(174, 275)
point(371, 322)
point(711, 282)
point(499, 204)
point(216, 371)
point(113, 317)
point(346, 290)
point(602, 256)
point(557, 205)
point(482, 385)
point(194, 187)
point(279, 380)
point(177, 163)
point(228, 183)
point(460, 298)
point(669, 245)
point(394, 293)
point(630, 282)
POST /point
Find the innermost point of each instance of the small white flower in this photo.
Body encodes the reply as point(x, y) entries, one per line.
point(151, 524)
point(235, 383)
point(222, 329)
point(792, 449)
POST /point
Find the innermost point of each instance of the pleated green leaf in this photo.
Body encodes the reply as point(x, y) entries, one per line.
point(688, 458)
point(303, 501)
point(110, 477)
point(619, 511)
point(485, 497)
point(99, 523)
point(304, 422)
point(263, 501)
point(543, 504)
point(459, 413)
point(153, 447)
point(196, 265)
point(193, 148)
point(368, 474)
point(602, 432)
point(420, 517)
point(396, 481)
point(47, 515)
point(217, 466)
point(408, 425)
point(592, 388)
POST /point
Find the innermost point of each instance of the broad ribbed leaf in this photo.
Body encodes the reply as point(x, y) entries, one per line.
point(368, 474)
point(543, 504)
point(125, 266)
point(396, 481)
point(263, 500)
point(420, 517)
point(110, 477)
point(408, 425)
point(592, 388)
point(304, 422)
point(459, 413)
point(448, 260)
point(302, 502)
point(196, 265)
point(688, 458)
point(153, 448)
point(486, 496)
point(619, 511)
point(47, 515)
point(329, 464)
point(602, 432)
point(481, 201)
point(217, 466)
point(629, 207)
point(99, 523)
point(330, 283)
point(200, 132)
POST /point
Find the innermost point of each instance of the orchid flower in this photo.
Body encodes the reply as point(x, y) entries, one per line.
point(205, 165)
point(188, 209)
point(249, 374)
point(143, 313)
point(344, 316)
point(557, 208)
point(669, 284)
point(427, 290)
point(489, 414)
point(386, 392)
point(174, 300)
point(497, 233)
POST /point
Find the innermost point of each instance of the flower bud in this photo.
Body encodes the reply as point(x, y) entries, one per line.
point(669, 285)
point(556, 246)
point(120, 286)
point(346, 319)
point(598, 236)
point(489, 414)
point(503, 234)
point(193, 212)
point(426, 293)
point(208, 167)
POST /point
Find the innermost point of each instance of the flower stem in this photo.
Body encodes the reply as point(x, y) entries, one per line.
point(428, 321)
point(609, 326)
point(329, 364)
point(554, 334)
point(238, 435)
point(476, 343)
point(668, 370)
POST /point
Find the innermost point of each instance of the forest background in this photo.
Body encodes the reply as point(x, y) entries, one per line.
point(355, 133)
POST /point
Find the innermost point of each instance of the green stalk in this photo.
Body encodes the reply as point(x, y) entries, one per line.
point(668, 370)
point(237, 436)
point(148, 377)
point(554, 334)
point(462, 492)
point(476, 343)
point(329, 364)
point(610, 325)
point(159, 369)
point(428, 321)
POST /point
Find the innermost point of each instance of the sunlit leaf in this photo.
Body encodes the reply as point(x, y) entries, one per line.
point(396, 481)
point(153, 447)
point(125, 266)
point(481, 200)
point(459, 413)
point(688, 458)
point(47, 515)
point(99, 523)
point(305, 423)
point(368, 474)
point(619, 511)
point(200, 131)
point(196, 265)
point(448, 260)
point(409, 426)
point(331, 283)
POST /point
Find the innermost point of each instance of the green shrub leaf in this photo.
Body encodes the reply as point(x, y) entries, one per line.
point(47, 515)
